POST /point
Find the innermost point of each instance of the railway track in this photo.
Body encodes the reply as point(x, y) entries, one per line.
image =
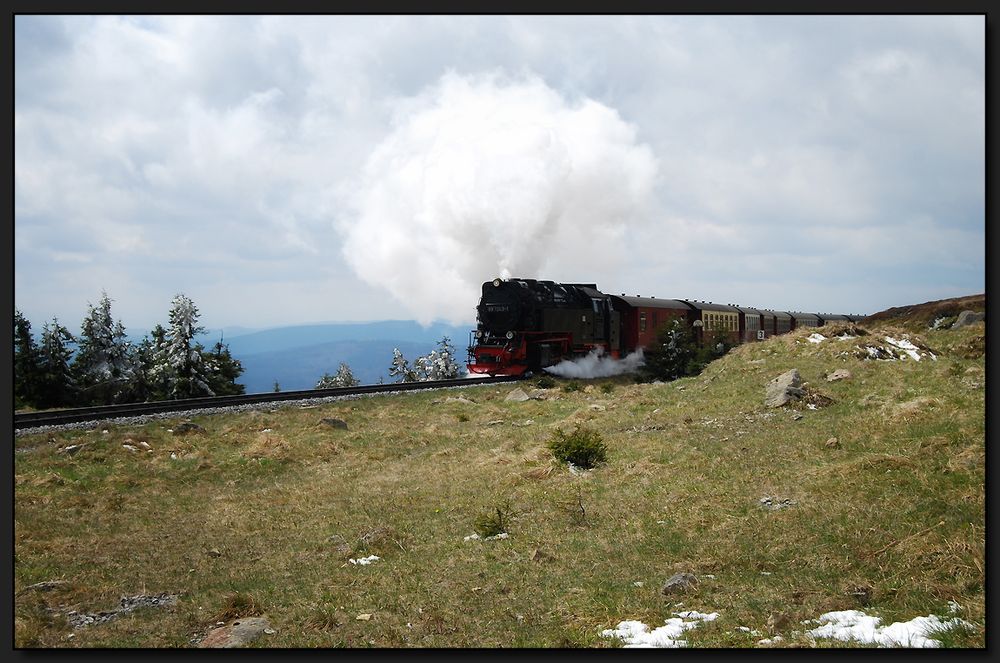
point(27, 420)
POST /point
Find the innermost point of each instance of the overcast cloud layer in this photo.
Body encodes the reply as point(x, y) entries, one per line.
point(284, 170)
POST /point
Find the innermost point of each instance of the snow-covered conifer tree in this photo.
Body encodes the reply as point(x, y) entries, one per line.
point(401, 368)
point(343, 378)
point(439, 364)
point(103, 361)
point(140, 386)
point(179, 360)
point(150, 379)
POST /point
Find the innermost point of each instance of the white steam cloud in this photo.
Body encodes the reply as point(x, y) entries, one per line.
point(487, 176)
point(597, 365)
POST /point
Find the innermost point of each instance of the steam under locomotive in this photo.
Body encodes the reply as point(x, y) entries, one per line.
point(525, 324)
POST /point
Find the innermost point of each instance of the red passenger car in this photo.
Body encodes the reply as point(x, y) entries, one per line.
point(642, 317)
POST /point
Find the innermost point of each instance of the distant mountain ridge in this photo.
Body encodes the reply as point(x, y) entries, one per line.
point(299, 336)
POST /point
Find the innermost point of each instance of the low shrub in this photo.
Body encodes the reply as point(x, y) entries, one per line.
point(494, 521)
point(583, 447)
point(572, 386)
point(545, 382)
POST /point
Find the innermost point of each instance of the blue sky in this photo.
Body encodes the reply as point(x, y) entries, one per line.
point(287, 169)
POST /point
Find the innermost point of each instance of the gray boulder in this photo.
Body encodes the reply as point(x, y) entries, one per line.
point(784, 388)
point(518, 395)
point(237, 634)
point(679, 583)
point(334, 423)
point(839, 374)
point(966, 318)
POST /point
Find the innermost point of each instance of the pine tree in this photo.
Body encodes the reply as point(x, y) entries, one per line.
point(343, 378)
point(57, 388)
point(103, 363)
point(155, 369)
point(673, 355)
point(27, 373)
point(179, 361)
point(223, 371)
point(141, 386)
point(401, 368)
point(439, 364)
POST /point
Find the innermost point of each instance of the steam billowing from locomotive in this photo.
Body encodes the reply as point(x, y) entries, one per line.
point(490, 175)
point(597, 365)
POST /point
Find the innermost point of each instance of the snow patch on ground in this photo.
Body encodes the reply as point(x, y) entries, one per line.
point(905, 346)
point(896, 349)
point(364, 561)
point(495, 537)
point(844, 625)
point(636, 634)
point(816, 338)
point(848, 625)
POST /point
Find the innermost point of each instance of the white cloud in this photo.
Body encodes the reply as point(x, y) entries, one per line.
point(169, 149)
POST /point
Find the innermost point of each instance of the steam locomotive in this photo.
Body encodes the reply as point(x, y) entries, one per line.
point(524, 325)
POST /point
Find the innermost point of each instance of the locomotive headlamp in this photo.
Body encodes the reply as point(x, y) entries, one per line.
point(510, 335)
point(496, 283)
point(479, 333)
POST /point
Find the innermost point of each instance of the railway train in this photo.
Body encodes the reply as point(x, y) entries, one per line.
point(524, 325)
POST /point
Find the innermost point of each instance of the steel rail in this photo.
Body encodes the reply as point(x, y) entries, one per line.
point(78, 414)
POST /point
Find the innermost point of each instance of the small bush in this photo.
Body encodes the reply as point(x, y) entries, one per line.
point(494, 521)
point(463, 417)
point(607, 387)
point(583, 447)
point(545, 382)
point(572, 386)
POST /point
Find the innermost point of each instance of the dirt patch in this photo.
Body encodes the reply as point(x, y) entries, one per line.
point(267, 445)
point(814, 399)
point(974, 348)
point(914, 408)
point(842, 331)
point(539, 472)
point(968, 459)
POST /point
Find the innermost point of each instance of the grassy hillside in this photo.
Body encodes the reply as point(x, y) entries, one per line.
point(262, 512)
